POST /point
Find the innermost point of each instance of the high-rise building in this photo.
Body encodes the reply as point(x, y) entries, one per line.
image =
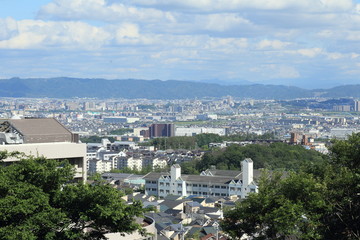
point(162, 130)
point(357, 106)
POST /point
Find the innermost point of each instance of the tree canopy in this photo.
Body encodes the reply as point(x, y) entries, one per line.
point(272, 156)
point(38, 200)
point(319, 201)
point(202, 140)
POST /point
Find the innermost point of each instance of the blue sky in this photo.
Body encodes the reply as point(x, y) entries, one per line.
point(307, 43)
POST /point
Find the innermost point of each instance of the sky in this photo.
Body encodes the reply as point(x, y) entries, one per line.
point(305, 43)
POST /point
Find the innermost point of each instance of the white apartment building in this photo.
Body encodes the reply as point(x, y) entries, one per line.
point(211, 182)
point(192, 131)
point(139, 162)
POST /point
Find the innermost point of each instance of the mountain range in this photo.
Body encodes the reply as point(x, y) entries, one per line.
point(64, 87)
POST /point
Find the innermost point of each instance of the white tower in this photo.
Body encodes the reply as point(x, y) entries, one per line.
point(247, 172)
point(175, 172)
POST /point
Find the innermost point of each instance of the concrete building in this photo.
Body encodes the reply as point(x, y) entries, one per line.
point(162, 130)
point(192, 131)
point(357, 106)
point(211, 182)
point(43, 137)
point(118, 119)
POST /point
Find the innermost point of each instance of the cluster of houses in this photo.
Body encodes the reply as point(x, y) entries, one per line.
point(182, 206)
point(106, 156)
point(189, 206)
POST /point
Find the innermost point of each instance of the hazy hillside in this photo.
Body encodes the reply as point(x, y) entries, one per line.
point(155, 89)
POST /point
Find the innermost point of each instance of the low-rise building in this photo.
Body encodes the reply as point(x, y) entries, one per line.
point(209, 183)
point(43, 137)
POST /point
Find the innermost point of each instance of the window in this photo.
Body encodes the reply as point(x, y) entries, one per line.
point(195, 185)
point(153, 189)
point(217, 194)
point(161, 191)
point(223, 194)
point(167, 184)
point(204, 185)
point(223, 187)
point(154, 182)
point(204, 193)
point(147, 181)
point(167, 191)
point(161, 184)
point(232, 189)
point(179, 185)
point(179, 192)
point(216, 186)
point(195, 192)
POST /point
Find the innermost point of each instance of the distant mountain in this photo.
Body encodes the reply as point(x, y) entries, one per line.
point(341, 91)
point(155, 89)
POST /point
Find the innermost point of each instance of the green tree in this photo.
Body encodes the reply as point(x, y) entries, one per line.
point(342, 176)
point(272, 156)
point(283, 209)
point(320, 201)
point(121, 131)
point(39, 201)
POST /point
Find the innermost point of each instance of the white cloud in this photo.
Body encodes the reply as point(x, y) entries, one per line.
point(200, 39)
point(310, 52)
point(233, 5)
point(222, 22)
point(100, 10)
point(8, 28)
point(274, 44)
point(41, 34)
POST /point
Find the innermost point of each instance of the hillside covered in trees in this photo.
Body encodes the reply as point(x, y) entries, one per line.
point(319, 201)
point(272, 156)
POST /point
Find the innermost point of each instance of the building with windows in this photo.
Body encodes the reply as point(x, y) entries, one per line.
point(211, 182)
point(43, 137)
point(161, 130)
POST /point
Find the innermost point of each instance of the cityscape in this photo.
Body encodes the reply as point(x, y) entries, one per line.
point(120, 146)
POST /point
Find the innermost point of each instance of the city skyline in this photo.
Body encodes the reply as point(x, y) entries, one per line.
point(310, 44)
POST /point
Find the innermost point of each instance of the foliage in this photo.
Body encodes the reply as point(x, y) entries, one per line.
point(273, 156)
point(189, 167)
point(202, 140)
point(249, 136)
point(38, 201)
point(95, 139)
point(121, 131)
point(320, 201)
point(342, 176)
point(290, 207)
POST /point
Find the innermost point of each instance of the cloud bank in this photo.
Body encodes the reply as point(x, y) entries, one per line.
point(312, 42)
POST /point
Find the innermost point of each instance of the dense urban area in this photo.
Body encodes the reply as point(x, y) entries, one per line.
point(196, 166)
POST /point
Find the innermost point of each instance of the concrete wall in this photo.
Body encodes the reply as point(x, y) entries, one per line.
point(74, 152)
